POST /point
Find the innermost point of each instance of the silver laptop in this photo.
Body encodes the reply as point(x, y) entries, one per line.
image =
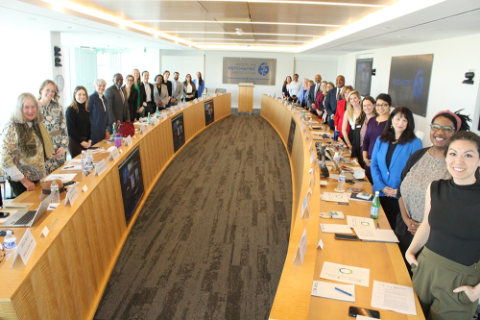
point(27, 218)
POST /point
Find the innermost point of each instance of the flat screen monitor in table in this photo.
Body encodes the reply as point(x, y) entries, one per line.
point(209, 112)
point(178, 132)
point(131, 181)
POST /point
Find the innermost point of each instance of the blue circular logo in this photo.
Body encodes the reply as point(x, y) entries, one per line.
point(418, 84)
point(263, 69)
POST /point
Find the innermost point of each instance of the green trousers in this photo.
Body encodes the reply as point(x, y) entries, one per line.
point(434, 280)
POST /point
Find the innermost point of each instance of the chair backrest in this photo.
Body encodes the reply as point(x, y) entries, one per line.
point(221, 90)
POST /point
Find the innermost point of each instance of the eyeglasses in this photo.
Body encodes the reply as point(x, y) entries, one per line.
point(446, 129)
point(383, 105)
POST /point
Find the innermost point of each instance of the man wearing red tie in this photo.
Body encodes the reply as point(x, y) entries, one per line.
point(331, 102)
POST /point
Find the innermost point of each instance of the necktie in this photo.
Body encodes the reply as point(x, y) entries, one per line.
point(338, 94)
point(104, 109)
point(123, 96)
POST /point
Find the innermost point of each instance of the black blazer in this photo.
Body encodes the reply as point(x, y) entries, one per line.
point(331, 101)
point(285, 91)
point(144, 93)
point(132, 101)
point(311, 95)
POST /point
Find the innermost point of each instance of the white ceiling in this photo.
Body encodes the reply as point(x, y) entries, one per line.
point(451, 18)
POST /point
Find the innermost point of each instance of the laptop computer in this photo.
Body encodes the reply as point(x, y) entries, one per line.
point(26, 218)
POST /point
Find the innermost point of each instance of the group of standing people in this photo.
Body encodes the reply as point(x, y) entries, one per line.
point(430, 196)
point(40, 131)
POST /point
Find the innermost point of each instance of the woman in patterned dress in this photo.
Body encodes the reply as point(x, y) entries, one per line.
point(54, 121)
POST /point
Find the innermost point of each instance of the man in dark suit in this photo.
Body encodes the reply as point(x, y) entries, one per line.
point(97, 108)
point(331, 102)
point(312, 93)
point(146, 89)
point(131, 94)
point(117, 105)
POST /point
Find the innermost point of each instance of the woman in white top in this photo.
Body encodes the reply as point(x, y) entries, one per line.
point(295, 88)
point(160, 92)
point(189, 88)
point(354, 117)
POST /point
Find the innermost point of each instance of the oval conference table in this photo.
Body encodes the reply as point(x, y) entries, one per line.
point(293, 299)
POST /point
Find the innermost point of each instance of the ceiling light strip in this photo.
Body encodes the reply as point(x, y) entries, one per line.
point(245, 48)
point(260, 40)
point(246, 33)
point(241, 22)
point(121, 22)
point(322, 3)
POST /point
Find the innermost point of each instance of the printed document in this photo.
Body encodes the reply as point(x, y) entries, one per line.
point(327, 290)
point(335, 228)
point(379, 235)
point(360, 222)
point(347, 274)
point(393, 297)
point(335, 197)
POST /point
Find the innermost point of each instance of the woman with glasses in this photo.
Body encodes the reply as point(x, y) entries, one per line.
point(423, 167)
point(375, 127)
point(390, 154)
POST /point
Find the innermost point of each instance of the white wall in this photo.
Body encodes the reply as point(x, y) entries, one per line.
point(307, 66)
point(452, 59)
point(26, 58)
point(183, 65)
point(141, 60)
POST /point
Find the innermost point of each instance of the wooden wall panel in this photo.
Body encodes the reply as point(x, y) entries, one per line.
point(69, 270)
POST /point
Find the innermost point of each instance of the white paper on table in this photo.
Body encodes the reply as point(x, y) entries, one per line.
point(11, 211)
point(333, 176)
point(394, 297)
point(9, 204)
point(327, 290)
point(65, 177)
point(343, 273)
point(360, 222)
point(335, 228)
point(379, 235)
point(360, 317)
point(336, 197)
point(75, 163)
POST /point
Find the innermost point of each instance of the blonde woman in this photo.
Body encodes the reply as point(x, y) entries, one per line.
point(54, 121)
point(26, 145)
point(354, 119)
point(78, 123)
point(137, 80)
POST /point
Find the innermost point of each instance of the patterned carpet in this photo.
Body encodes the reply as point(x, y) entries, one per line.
point(211, 240)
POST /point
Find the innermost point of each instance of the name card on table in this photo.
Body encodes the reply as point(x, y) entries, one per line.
point(312, 156)
point(45, 232)
point(320, 244)
point(25, 247)
point(128, 141)
point(306, 205)
point(143, 129)
point(155, 121)
point(312, 177)
point(72, 195)
point(100, 167)
point(113, 153)
point(302, 248)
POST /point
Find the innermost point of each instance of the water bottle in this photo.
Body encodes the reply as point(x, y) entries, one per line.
point(84, 159)
point(303, 114)
point(157, 114)
point(118, 141)
point(274, 95)
point(89, 161)
point(10, 240)
point(55, 191)
point(374, 211)
point(114, 129)
point(341, 182)
point(149, 119)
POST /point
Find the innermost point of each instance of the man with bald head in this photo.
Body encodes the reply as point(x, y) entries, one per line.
point(331, 102)
point(312, 95)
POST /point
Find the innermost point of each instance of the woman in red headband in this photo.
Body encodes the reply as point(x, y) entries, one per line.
point(423, 167)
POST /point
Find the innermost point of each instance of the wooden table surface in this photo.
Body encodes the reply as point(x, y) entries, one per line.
point(69, 269)
point(293, 299)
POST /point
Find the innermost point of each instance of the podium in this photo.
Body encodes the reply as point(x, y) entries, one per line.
point(245, 97)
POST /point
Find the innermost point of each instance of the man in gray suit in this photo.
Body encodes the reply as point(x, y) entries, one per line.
point(117, 103)
point(177, 89)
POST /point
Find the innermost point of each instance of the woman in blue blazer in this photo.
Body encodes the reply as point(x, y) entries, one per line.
point(199, 84)
point(390, 154)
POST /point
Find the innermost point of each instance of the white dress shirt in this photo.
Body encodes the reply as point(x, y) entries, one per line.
point(295, 87)
point(148, 92)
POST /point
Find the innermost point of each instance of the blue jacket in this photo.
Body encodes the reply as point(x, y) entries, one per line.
point(200, 87)
point(302, 96)
point(381, 175)
point(98, 117)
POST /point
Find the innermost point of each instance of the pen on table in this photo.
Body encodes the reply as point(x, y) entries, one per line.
point(71, 167)
point(348, 294)
point(378, 225)
point(52, 224)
